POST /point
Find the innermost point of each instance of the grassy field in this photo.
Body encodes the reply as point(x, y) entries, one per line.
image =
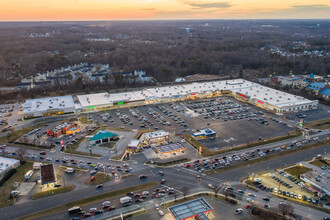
point(265, 158)
point(319, 163)
point(89, 200)
point(7, 187)
point(52, 192)
point(19, 133)
point(319, 124)
point(297, 170)
point(99, 178)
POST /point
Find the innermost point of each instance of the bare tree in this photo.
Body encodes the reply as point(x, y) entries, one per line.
point(185, 190)
point(20, 153)
point(285, 209)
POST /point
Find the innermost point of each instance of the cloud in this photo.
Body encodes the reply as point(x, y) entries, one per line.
point(211, 5)
point(207, 4)
point(148, 9)
point(310, 6)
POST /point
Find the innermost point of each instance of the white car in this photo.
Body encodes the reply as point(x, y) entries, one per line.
point(275, 190)
point(250, 200)
point(299, 196)
point(92, 209)
point(211, 186)
point(161, 213)
point(156, 206)
point(106, 203)
point(252, 195)
point(238, 211)
point(49, 158)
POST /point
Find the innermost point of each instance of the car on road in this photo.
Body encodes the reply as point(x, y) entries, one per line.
point(99, 186)
point(42, 153)
point(238, 211)
point(97, 212)
point(86, 215)
point(92, 209)
point(162, 181)
point(156, 206)
point(250, 200)
point(161, 213)
point(267, 206)
point(112, 207)
point(106, 203)
point(247, 206)
point(266, 199)
point(143, 176)
point(211, 186)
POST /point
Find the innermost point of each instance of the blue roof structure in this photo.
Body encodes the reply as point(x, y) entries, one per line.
point(316, 86)
point(325, 91)
point(101, 134)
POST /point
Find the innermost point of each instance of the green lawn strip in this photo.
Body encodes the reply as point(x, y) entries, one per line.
point(99, 178)
point(89, 200)
point(206, 152)
point(319, 124)
point(297, 170)
point(14, 135)
point(265, 158)
point(319, 163)
point(169, 163)
point(7, 187)
point(52, 192)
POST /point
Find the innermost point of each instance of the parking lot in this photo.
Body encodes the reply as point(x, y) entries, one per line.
point(234, 121)
point(312, 115)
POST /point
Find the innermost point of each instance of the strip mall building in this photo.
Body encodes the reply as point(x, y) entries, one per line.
point(273, 100)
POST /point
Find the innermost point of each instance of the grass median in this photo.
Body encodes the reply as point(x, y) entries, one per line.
point(52, 192)
point(14, 135)
point(7, 187)
point(296, 171)
point(99, 178)
point(319, 124)
point(265, 158)
point(320, 163)
point(88, 200)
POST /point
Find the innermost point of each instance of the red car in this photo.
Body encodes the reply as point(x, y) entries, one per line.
point(87, 215)
point(42, 153)
point(247, 206)
point(111, 208)
point(92, 178)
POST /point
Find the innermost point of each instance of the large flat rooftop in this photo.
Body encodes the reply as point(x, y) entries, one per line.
point(46, 104)
point(251, 89)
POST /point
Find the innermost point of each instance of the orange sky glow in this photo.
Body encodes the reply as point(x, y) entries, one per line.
point(64, 10)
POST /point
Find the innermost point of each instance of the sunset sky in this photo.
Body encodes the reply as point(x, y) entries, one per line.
point(46, 10)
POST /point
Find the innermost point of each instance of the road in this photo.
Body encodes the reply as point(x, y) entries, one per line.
point(174, 178)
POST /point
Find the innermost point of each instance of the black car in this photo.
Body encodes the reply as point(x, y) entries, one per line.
point(97, 212)
point(266, 199)
point(99, 186)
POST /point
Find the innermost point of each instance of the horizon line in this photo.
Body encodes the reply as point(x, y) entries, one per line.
point(188, 19)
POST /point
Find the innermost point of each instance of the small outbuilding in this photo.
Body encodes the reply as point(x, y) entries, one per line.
point(102, 137)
